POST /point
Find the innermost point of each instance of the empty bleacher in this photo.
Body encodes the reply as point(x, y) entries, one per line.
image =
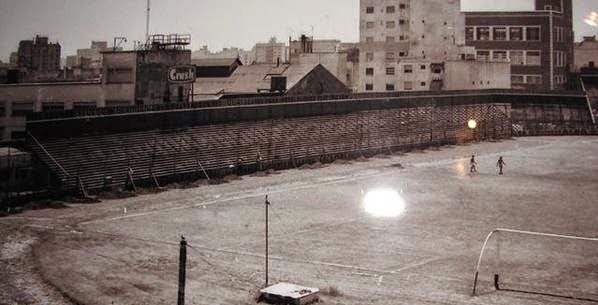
point(252, 145)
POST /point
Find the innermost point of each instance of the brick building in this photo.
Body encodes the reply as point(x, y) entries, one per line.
point(538, 44)
point(39, 55)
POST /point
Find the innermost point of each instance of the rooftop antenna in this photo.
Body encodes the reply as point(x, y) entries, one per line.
point(147, 22)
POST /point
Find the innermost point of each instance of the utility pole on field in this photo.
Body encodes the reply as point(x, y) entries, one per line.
point(182, 271)
point(267, 204)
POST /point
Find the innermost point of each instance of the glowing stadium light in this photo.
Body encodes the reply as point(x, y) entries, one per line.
point(592, 19)
point(384, 203)
point(472, 124)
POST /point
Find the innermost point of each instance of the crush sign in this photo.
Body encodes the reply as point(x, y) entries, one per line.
point(181, 74)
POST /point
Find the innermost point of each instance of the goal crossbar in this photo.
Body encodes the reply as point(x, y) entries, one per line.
point(528, 233)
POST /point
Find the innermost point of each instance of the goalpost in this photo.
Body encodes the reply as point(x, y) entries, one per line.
point(538, 263)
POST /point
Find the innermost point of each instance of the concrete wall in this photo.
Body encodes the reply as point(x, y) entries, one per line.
point(476, 75)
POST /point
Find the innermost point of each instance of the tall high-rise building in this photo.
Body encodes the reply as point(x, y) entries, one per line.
point(403, 43)
point(39, 55)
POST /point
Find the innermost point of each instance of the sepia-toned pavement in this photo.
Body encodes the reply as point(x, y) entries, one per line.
point(126, 251)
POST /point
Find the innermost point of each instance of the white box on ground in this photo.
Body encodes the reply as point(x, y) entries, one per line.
point(285, 293)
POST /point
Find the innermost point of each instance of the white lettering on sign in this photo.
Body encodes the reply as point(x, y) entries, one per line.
point(181, 74)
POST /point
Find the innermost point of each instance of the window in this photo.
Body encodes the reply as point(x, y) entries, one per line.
point(402, 54)
point(390, 87)
point(559, 58)
point(516, 33)
point(483, 33)
point(369, 10)
point(401, 21)
point(390, 71)
point(517, 58)
point(532, 33)
point(390, 56)
point(499, 55)
point(369, 25)
point(390, 9)
point(369, 57)
point(499, 33)
point(390, 39)
point(390, 24)
point(517, 79)
point(469, 33)
point(402, 6)
point(369, 87)
point(2, 113)
point(422, 84)
point(422, 67)
point(369, 39)
point(534, 79)
point(437, 68)
point(402, 37)
point(483, 55)
point(533, 58)
point(408, 85)
point(369, 71)
point(408, 69)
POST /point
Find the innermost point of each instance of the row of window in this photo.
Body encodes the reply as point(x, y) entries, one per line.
point(503, 33)
point(518, 79)
point(389, 39)
point(391, 9)
point(517, 57)
point(408, 85)
point(390, 56)
point(388, 24)
point(392, 70)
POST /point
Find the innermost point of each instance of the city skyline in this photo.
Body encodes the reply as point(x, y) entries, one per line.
point(93, 20)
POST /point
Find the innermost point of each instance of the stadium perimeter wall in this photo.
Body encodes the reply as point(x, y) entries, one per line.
point(254, 137)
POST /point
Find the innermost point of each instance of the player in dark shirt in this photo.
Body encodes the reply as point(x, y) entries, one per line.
point(500, 164)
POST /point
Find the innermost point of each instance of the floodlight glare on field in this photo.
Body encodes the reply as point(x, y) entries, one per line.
point(383, 203)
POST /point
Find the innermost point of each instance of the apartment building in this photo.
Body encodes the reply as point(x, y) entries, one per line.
point(271, 52)
point(538, 44)
point(404, 43)
point(39, 58)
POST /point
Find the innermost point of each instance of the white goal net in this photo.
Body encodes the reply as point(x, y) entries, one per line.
point(553, 265)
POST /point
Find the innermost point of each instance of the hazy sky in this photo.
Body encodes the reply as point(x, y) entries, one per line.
point(216, 23)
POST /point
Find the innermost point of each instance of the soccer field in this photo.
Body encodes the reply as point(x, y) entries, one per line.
point(126, 251)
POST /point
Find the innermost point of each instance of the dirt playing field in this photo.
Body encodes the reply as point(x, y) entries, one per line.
point(126, 251)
